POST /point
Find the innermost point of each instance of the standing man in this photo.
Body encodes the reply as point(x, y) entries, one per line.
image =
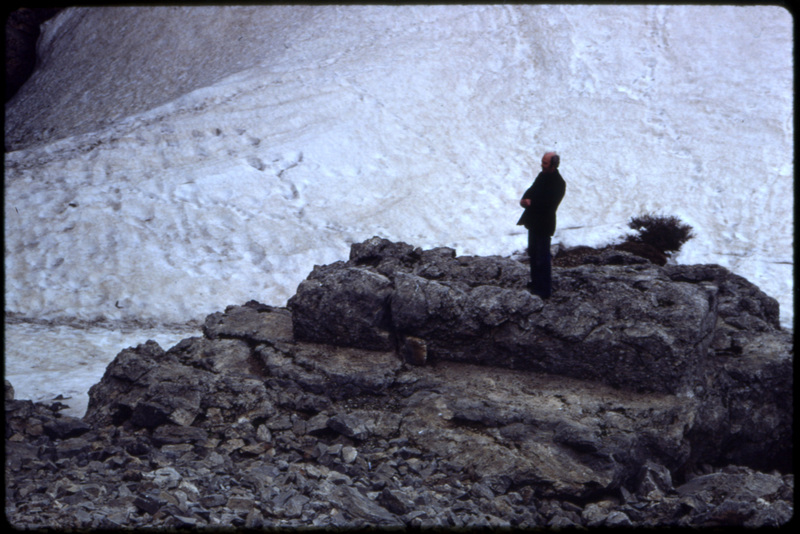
point(541, 201)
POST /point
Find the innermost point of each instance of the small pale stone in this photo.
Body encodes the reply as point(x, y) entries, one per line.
point(349, 454)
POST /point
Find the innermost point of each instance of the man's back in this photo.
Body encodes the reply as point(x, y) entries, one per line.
point(545, 195)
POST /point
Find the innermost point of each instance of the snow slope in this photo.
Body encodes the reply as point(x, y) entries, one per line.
point(166, 162)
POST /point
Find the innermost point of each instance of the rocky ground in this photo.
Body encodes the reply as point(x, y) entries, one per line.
point(396, 410)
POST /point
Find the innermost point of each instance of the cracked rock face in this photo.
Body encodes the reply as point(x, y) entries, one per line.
point(415, 388)
point(634, 326)
point(697, 331)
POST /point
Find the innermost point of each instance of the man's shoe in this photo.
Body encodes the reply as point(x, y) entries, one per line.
point(530, 288)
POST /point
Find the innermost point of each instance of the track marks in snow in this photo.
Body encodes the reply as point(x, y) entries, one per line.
point(163, 211)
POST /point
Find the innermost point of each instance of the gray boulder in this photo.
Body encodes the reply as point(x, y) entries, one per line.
point(635, 326)
point(357, 297)
point(148, 387)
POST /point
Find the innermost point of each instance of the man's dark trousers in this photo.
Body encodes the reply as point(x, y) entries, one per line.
point(541, 264)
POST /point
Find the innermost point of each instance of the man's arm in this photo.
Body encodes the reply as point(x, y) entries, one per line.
point(526, 201)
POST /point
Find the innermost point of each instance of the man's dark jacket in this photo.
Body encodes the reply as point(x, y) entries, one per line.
point(545, 194)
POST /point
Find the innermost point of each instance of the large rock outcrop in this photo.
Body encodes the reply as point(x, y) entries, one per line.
point(417, 388)
point(632, 326)
point(698, 331)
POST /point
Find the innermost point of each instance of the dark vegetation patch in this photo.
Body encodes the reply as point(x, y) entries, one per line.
point(659, 236)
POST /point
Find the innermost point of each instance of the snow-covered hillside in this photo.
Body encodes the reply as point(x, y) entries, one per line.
point(168, 161)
